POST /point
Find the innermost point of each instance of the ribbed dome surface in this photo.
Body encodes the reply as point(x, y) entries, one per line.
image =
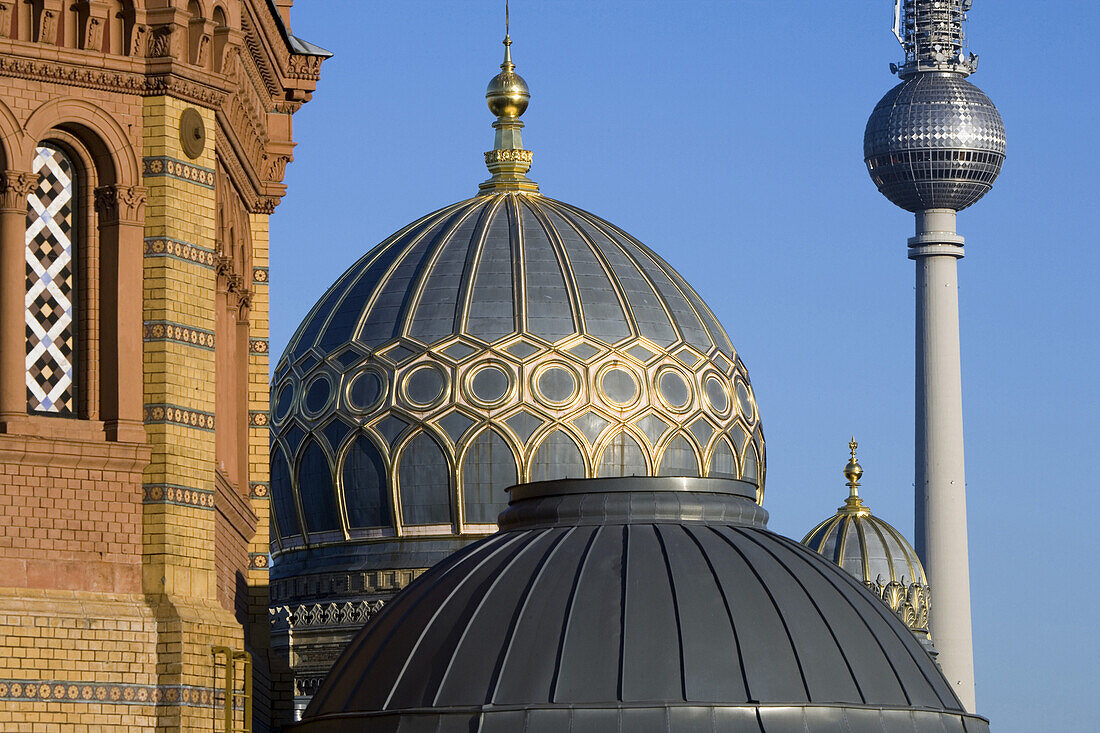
point(636, 604)
point(935, 141)
point(504, 339)
point(867, 547)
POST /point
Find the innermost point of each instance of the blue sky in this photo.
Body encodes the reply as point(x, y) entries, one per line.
point(728, 137)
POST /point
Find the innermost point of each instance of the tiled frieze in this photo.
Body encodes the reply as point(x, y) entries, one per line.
point(259, 490)
point(175, 415)
point(161, 165)
point(179, 250)
point(62, 691)
point(179, 495)
point(168, 331)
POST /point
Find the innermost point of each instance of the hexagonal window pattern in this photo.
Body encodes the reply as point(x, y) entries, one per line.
point(619, 387)
point(424, 386)
point(317, 394)
point(366, 390)
point(556, 385)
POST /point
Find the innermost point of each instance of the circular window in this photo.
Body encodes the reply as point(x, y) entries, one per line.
point(424, 386)
point(744, 401)
point(715, 392)
point(556, 385)
point(674, 389)
point(317, 394)
point(490, 385)
point(618, 386)
point(365, 390)
point(284, 400)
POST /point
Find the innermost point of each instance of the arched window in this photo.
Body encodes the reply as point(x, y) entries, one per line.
point(424, 483)
point(316, 489)
point(51, 234)
point(488, 468)
point(722, 463)
point(282, 496)
point(679, 459)
point(622, 457)
point(557, 457)
point(366, 491)
point(751, 470)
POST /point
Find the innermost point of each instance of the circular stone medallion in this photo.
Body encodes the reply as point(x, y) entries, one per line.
point(556, 385)
point(317, 394)
point(618, 386)
point(365, 390)
point(284, 401)
point(424, 386)
point(716, 395)
point(674, 389)
point(489, 385)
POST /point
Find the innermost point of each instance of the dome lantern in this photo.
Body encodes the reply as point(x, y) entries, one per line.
point(507, 97)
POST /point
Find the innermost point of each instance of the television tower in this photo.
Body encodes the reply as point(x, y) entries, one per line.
point(934, 145)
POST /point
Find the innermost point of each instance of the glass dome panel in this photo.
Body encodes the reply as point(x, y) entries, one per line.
point(622, 457)
point(318, 493)
point(557, 457)
point(424, 483)
point(488, 468)
point(366, 490)
point(286, 513)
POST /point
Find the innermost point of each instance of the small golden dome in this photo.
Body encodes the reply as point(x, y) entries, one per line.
point(507, 93)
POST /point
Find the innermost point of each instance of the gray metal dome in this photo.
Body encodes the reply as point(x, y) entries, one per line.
point(640, 604)
point(935, 141)
point(503, 339)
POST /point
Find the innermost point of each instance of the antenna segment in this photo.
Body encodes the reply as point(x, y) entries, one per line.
point(931, 33)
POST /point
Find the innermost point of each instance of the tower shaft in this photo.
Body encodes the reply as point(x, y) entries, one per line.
point(941, 538)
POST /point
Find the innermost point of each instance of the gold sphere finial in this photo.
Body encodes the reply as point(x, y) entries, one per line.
point(853, 472)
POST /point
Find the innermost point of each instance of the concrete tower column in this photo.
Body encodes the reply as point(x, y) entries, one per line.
point(941, 538)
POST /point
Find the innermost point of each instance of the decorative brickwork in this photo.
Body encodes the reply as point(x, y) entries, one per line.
point(183, 251)
point(179, 495)
point(168, 331)
point(165, 166)
point(175, 415)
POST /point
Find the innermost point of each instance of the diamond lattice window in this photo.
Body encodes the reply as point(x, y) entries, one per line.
point(51, 282)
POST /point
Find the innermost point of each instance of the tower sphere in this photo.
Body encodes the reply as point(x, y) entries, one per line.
point(935, 141)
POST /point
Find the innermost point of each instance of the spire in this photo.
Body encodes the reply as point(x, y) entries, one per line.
point(853, 472)
point(931, 32)
point(507, 97)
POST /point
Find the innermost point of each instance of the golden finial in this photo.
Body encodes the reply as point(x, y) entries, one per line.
point(853, 472)
point(507, 97)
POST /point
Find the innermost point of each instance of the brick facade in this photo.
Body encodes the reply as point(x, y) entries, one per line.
point(135, 534)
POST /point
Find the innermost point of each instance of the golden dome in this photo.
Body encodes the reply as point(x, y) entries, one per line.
point(507, 93)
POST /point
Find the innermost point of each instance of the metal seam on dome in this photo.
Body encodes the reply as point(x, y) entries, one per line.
point(906, 637)
point(576, 308)
point(903, 544)
point(568, 614)
point(675, 610)
point(824, 618)
point(426, 268)
point(643, 276)
point(529, 542)
point(689, 530)
point(624, 586)
point(771, 597)
point(521, 610)
point(409, 598)
point(616, 285)
point(454, 214)
point(429, 223)
point(507, 542)
point(519, 265)
point(354, 267)
point(842, 541)
point(471, 266)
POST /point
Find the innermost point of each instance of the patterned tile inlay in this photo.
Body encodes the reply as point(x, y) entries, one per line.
point(168, 331)
point(258, 560)
point(257, 346)
point(50, 285)
point(59, 691)
point(258, 419)
point(259, 275)
point(178, 250)
point(259, 490)
point(179, 495)
point(175, 415)
point(164, 166)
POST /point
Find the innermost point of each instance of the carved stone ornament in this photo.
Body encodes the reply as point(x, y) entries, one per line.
point(5, 19)
point(912, 602)
point(14, 188)
point(47, 27)
point(120, 203)
point(93, 34)
point(192, 133)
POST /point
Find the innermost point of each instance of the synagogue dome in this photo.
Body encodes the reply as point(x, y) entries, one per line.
point(503, 339)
